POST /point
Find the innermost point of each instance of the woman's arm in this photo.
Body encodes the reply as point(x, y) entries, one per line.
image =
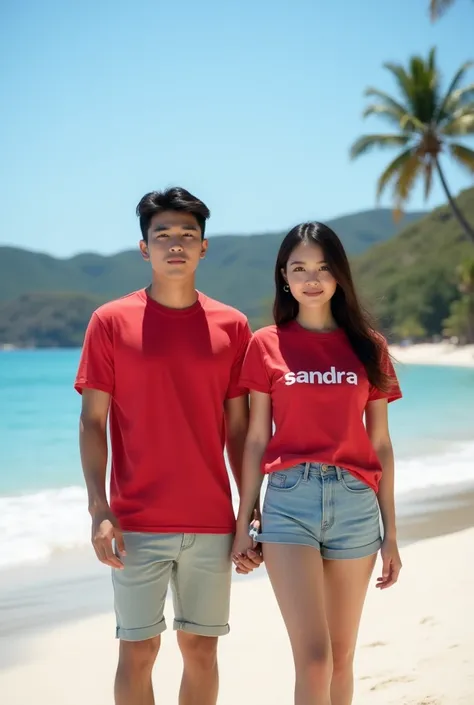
point(259, 434)
point(376, 420)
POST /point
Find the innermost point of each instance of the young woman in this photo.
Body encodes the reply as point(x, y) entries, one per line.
point(324, 377)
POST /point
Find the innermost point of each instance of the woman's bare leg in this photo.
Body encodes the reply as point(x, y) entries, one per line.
point(296, 574)
point(346, 583)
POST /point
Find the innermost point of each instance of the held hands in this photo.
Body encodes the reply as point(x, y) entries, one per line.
point(246, 554)
point(391, 564)
point(105, 529)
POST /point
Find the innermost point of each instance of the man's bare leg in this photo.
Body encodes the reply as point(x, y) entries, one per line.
point(200, 682)
point(133, 684)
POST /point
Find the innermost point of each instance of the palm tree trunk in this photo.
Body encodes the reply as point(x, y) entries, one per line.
point(461, 219)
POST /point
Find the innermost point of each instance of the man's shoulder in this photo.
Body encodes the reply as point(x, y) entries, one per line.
point(128, 304)
point(231, 314)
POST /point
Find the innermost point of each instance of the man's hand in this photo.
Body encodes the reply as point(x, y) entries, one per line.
point(105, 530)
point(246, 552)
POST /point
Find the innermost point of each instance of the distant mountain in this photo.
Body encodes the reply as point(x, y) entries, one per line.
point(238, 269)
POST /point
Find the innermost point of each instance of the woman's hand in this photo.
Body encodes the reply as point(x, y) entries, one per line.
point(391, 564)
point(245, 552)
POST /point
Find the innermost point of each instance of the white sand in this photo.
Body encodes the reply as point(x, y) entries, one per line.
point(416, 645)
point(435, 354)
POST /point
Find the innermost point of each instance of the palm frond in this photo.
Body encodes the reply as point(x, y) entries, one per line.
point(461, 123)
point(463, 155)
point(449, 96)
point(461, 98)
point(439, 7)
point(386, 99)
point(367, 142)
point(385, 111)
point(402, 78)
point(406, 179)
point(391, 171)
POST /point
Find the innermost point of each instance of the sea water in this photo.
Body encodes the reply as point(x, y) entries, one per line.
point(43, 507)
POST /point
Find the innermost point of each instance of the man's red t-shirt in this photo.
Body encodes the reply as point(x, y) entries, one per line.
point(319, 391)
point(169, 373)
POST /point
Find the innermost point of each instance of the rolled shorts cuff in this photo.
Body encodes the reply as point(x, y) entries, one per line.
point(201, 629)
point(141, 633)
point(345, 553)
point(296, 539)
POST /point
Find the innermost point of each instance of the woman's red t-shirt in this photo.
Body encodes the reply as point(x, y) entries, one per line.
point(319, 391)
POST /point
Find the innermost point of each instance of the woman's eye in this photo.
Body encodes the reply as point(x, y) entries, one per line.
point(298, 269)
point(325, 268)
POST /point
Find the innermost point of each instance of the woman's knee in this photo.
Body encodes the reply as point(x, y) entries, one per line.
point(314, 663)
point(198, 651)
point(343, 658)
point(138, 656)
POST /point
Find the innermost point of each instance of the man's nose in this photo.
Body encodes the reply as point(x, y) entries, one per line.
point(176, 246)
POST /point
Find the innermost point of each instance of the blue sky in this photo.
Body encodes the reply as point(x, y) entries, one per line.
point(250, 105)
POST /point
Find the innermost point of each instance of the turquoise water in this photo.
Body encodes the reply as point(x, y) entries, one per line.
point(432, 429)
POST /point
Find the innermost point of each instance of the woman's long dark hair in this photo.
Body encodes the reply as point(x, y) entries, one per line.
point(345, 306)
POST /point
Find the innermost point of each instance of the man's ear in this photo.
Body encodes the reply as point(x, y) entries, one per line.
point(144, 250)
point(204, 246)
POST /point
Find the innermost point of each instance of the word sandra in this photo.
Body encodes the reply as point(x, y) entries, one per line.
point(315, 377)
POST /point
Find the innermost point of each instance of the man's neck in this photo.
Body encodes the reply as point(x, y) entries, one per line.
point(173, 294)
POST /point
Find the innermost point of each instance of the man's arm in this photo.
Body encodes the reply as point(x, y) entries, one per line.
point(236, 426)
point(93, 447)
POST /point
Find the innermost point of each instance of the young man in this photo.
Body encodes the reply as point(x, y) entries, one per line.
point(163, 365)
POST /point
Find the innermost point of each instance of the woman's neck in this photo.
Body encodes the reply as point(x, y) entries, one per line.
point(317, 319)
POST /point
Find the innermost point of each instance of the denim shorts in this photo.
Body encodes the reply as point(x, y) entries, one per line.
point(323, 506)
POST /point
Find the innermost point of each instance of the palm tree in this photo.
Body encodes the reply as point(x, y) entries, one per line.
point(426, 121)
point(439, 7)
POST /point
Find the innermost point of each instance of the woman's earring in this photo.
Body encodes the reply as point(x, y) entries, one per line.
point(286, 288)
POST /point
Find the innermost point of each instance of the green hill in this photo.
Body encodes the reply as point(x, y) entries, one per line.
point(410, 281)
point(233, 261)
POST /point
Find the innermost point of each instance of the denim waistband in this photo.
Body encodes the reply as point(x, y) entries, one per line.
point(319, 469)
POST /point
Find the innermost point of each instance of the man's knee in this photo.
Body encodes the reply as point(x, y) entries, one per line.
point(138, 656)
point(198, 651)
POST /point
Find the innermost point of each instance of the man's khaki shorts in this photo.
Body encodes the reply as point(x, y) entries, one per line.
point(198, 568)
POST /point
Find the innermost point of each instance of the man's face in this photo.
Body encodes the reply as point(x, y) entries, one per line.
point(175, 245)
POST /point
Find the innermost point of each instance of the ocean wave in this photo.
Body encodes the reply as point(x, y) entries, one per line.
point(34, 527)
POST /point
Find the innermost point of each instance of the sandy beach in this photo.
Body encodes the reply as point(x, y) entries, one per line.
point(415, 647)
point(434, 354)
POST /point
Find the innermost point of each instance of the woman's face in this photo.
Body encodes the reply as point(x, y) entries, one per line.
point(308, 276)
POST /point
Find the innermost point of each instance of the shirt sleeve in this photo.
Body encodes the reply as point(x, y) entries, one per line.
point(96, 365)
point(254, 371)
point(235, 388)
point(394, 391)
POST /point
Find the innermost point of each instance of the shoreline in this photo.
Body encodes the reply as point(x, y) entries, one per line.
point(443, 353)
point(73, 586)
